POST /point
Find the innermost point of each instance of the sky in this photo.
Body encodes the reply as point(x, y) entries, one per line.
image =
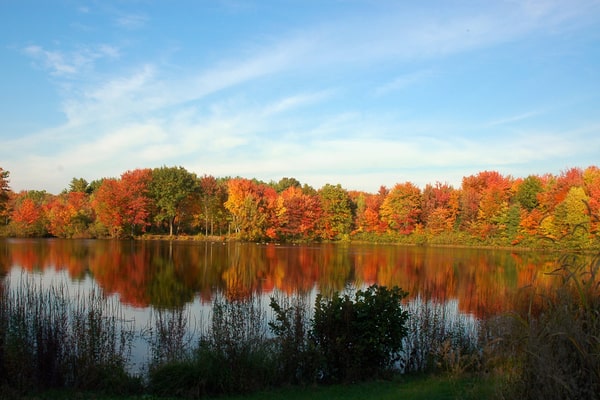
point(361, 93)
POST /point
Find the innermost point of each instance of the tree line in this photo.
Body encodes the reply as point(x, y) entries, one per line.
point(488, 208)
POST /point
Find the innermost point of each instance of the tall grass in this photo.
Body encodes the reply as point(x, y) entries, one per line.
point(550, 345)
point(440, 338)
point(52, 339)
point(234, 354)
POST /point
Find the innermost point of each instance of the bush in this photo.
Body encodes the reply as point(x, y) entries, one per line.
point(360, 338)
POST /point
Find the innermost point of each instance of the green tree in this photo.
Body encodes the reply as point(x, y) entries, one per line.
point(285, 183)
point(336, 217)
point(4, 195)
point(213, 195)
point(79, 185)
point(527, 193)
point(169, 188)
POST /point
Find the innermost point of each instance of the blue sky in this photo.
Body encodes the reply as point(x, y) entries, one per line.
point(361, 93)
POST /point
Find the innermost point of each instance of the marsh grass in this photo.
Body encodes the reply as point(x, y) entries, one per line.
point(234, 354)
point(550, 345)
point(440, 338)
point(52, 339)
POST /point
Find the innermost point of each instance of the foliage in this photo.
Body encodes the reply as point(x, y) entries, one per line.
point(489, 209)
point(362, 337)
point(4, 196)
point(27, 213)
point(336, 219)
point(213, 195)
point(252, 207)
point(401, 209)
point(169, 187)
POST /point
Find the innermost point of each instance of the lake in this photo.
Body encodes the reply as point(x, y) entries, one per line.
point(149, 277)
point(163, 274)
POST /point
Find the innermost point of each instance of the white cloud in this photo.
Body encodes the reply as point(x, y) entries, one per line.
point(207, 117)
point(131, 21)
point(404, 81)
point(66, 64)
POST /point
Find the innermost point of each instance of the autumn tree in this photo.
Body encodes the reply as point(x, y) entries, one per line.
point(123, 205)
point(591, 180)
point(570, 222)
point(69, 215)
point(252, 206)
point(169, 188)
point(557, 187)
point(107, 205)
point(298, 214)
point(368, 206)
point(439, 205)
point(401, 208)
point(336, 219)
point(483, 197)
point(27, 213)
point(135, 200)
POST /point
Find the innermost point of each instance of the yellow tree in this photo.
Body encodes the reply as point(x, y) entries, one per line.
point(252, 206)
point(401, 209)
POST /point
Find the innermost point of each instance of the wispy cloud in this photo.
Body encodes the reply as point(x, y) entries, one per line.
point(67, 64)
point(295, 101)
point(514, 118)
point(211, 118)
point(132, 21)
point(404, 81)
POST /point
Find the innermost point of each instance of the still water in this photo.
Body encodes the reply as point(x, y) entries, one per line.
point(150, 277)
point(162, 274)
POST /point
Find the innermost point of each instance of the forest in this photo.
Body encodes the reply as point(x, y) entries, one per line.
point(488, 209)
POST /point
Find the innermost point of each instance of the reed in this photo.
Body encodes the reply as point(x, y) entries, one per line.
point(233, 354)
point(52, 339)
point(550, 346)
point(440, 338)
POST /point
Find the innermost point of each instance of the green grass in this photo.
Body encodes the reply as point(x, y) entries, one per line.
point(406, 388)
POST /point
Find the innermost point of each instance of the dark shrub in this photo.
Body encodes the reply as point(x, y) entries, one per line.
point(361, 338)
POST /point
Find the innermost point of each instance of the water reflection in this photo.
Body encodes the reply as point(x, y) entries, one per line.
point(173, 274)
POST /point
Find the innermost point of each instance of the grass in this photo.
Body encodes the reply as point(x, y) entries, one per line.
point(413, 387)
